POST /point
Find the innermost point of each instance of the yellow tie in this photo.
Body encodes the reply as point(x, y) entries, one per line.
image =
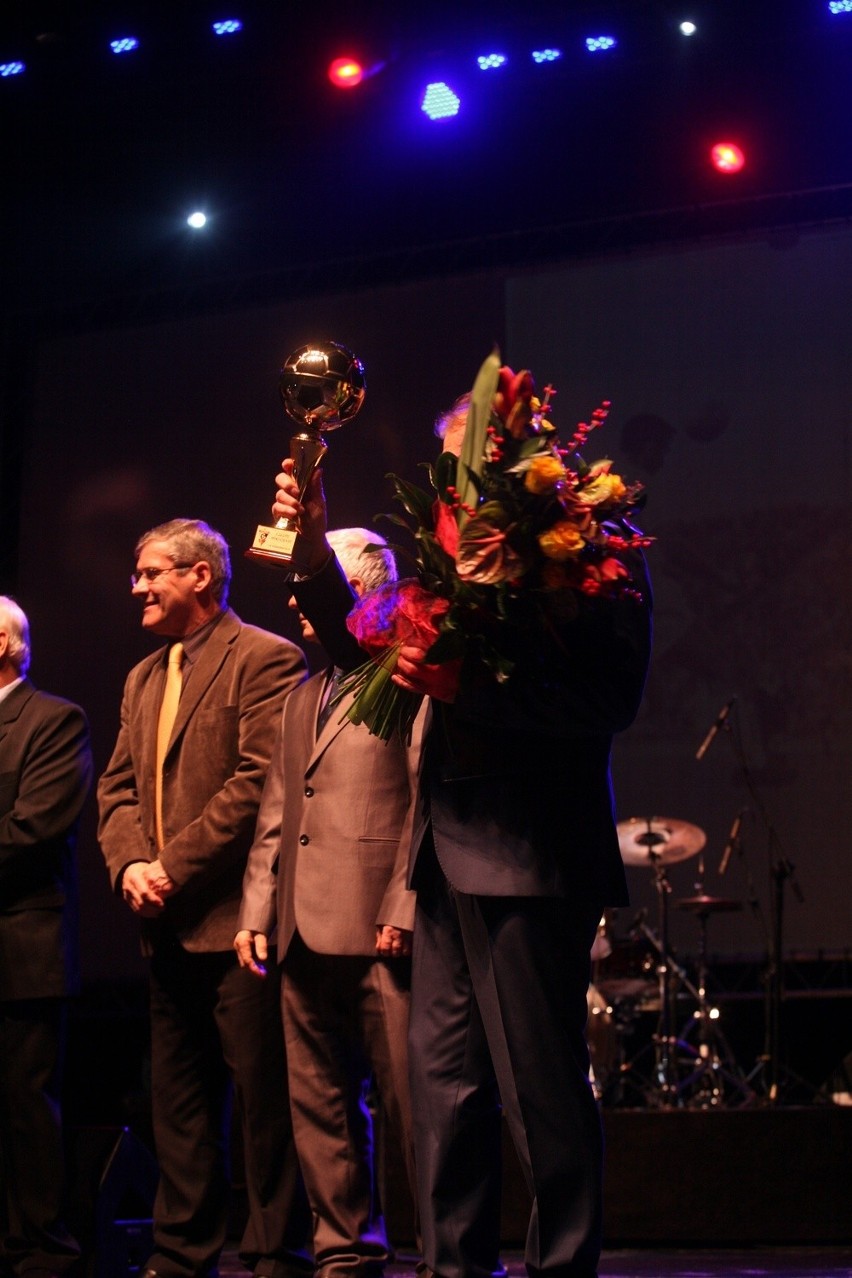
point(165, 723)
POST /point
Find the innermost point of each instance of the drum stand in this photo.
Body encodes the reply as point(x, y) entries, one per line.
point(715, 1079)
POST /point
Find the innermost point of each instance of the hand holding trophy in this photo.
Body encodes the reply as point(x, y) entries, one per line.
point(321, 387)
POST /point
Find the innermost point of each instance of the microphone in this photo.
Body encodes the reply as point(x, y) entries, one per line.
point(733, 838)
point(719, 723)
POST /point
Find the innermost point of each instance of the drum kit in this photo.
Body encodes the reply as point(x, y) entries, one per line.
point(690, 1066)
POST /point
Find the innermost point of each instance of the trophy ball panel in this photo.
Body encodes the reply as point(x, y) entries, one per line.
point(322, 384)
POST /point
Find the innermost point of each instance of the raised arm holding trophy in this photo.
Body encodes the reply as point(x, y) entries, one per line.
point(321, 386)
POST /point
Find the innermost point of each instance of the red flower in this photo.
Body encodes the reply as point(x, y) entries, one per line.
point(399, 612)
point(512, 400)
point(446, 528)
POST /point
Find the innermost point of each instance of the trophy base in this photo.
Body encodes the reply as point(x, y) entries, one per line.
point(273, 546)
point(277, 547)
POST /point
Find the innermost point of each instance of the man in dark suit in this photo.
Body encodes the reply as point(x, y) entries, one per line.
point(178, 804)
point(328, 869)
point(514, 858)
point(45, 775)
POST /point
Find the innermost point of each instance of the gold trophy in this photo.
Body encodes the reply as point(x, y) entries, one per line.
point(321, 387)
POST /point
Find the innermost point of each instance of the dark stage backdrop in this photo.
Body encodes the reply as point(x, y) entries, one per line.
point(730, 385)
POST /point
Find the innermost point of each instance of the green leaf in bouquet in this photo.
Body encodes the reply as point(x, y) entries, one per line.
point(476, 431)
point(415, 500)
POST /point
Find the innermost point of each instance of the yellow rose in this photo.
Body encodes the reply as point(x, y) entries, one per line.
point(562, 541)
point(545, 472)
point(603, 486)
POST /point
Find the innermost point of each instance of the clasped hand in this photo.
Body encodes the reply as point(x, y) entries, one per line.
point(145, 886)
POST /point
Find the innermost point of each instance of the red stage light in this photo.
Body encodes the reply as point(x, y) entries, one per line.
point(727, 157)
point(345, 73)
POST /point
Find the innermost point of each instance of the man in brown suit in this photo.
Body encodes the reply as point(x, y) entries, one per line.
point(45, 775)
point(176, 838)
point(328, 868)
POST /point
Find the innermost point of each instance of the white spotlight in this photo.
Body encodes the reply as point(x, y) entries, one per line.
point(197, 220)
point(688, 28)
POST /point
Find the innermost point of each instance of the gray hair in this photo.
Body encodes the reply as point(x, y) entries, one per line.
point(373, 567)
point(191, 540)
point(13, 619)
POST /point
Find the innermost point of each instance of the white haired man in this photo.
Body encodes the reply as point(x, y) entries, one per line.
point(328, 870)
point(45, 776)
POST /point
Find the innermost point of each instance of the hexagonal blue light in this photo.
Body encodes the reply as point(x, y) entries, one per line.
point(228, 26)
point(127, 44)
point(599, 44)
point(491, 61)
point(439, 101)
point(546, 55)
point(840, 6)
point(12, 68)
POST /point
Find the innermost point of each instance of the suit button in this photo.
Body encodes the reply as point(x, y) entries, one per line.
point(303, 839)
point(309, 794)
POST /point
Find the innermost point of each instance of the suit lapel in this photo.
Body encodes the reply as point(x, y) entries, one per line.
point(333, 726)
point(206, 668)
point(11, 707)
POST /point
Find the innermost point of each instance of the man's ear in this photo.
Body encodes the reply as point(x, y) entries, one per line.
point(357, 584)
point(203, 576)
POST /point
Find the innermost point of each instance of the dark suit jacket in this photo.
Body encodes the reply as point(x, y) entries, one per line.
point(213, 774)
point(330, 854)
point(45, 775)
point(516, 776)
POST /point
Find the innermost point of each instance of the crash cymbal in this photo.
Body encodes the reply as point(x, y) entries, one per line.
point(707, 905)
point(658, 840)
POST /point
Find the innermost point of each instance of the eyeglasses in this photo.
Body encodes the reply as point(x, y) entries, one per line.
point(151, 574)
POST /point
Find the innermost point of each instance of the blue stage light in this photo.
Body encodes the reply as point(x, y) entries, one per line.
point(439, 101)
point(490, 61)
point(229, 27)
point(840, 6)
point(12, 68)
point(127, 44)
point(546, 55)
point(598, 44)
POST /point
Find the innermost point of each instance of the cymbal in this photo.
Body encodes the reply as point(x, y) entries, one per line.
point(652, 840)
point(707, 905)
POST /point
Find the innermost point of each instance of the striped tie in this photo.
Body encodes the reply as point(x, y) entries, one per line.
point(165, 723)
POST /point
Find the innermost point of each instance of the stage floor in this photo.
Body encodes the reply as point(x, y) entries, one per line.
point(757, 1262)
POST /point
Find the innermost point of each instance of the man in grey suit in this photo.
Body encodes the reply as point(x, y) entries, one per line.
point(45, 775)
point(328, 869)
point(178, 805)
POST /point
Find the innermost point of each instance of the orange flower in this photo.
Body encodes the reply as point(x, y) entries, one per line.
point(545, 472)
point(562, 541)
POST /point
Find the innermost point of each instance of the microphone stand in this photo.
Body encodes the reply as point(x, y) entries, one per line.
point(781, 871)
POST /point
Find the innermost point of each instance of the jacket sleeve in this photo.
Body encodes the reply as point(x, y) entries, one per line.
point(258, 910)
point(326, 599)
point(120, 833)
point(52, 786)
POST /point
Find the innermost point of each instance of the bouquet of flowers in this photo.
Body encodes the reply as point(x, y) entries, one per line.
point(514, 532)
